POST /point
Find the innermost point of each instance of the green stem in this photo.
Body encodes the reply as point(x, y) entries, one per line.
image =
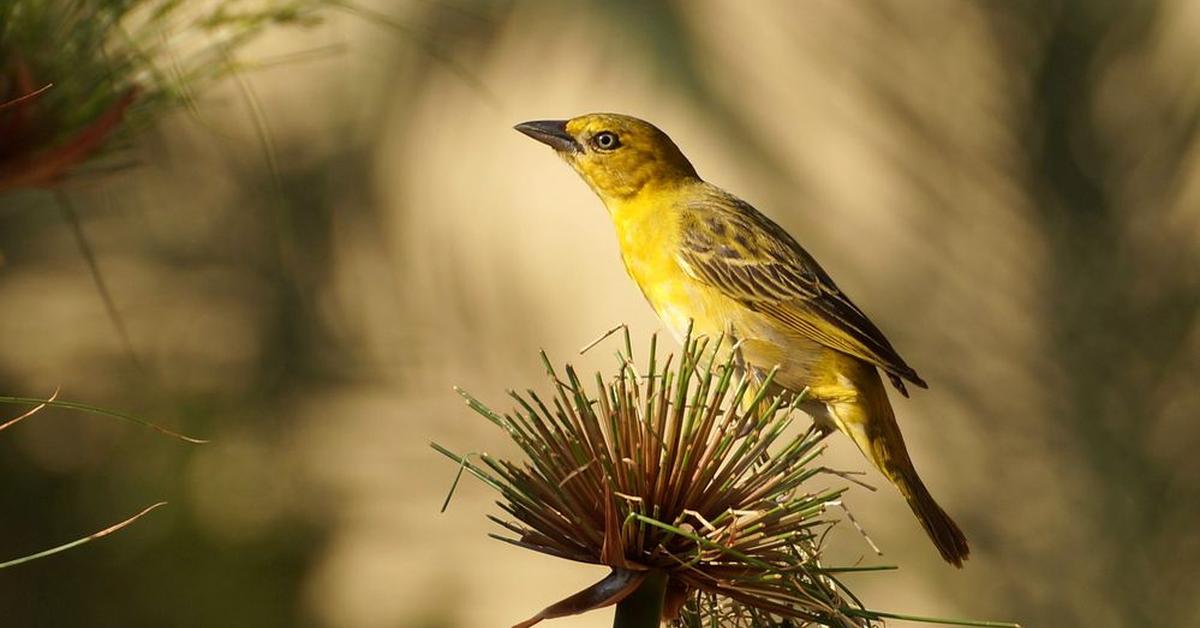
point(643, 608)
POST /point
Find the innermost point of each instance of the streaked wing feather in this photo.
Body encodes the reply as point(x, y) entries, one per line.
point(731, 246)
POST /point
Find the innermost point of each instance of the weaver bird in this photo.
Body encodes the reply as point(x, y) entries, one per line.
point(704, 257)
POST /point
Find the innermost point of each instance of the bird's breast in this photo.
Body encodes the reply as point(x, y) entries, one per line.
point(649, 238)
point(678, 299)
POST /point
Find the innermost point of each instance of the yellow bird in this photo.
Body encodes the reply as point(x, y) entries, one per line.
point(701, 254)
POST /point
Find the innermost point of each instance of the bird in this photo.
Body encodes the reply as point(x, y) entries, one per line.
point(704, 258)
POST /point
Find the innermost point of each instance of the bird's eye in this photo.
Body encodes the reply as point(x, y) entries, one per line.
point(606, 140)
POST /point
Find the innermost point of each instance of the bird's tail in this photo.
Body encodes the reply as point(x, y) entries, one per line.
point(942, 530)
point(870, 422)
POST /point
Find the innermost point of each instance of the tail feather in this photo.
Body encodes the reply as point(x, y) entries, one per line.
point(945, 534)
point(868, 419)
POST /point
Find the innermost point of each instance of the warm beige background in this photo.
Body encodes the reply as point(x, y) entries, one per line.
point(429, 245)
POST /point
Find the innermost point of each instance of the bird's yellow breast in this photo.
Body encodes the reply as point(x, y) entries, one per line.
point(649, 237)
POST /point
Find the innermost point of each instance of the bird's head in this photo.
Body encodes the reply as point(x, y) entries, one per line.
point(617, 155)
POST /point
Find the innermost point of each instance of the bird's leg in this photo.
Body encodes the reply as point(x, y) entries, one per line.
point(824, 428)
point(822, 420)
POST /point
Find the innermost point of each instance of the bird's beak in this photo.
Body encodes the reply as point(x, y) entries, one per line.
point(552, 133)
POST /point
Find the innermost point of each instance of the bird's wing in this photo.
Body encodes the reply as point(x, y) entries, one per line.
point(729, 245)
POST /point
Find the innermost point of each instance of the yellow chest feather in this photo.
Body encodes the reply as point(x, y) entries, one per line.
point(649, 242)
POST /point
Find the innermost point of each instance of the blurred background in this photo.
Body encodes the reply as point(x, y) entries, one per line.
point(304, 261)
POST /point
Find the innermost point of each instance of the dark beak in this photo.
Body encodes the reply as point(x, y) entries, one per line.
point(552, 133)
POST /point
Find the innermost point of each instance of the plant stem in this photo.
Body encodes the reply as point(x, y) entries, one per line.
point(643, 608)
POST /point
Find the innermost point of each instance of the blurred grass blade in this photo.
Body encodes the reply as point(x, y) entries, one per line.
point(932, 620)
point(89, 257)
point(77, 542)
point(32, 411)
point(467, 75)
point(83, 407)
point(30, 96)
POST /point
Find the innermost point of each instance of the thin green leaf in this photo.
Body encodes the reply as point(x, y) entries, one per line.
point(83, 407)
point(76, 543)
